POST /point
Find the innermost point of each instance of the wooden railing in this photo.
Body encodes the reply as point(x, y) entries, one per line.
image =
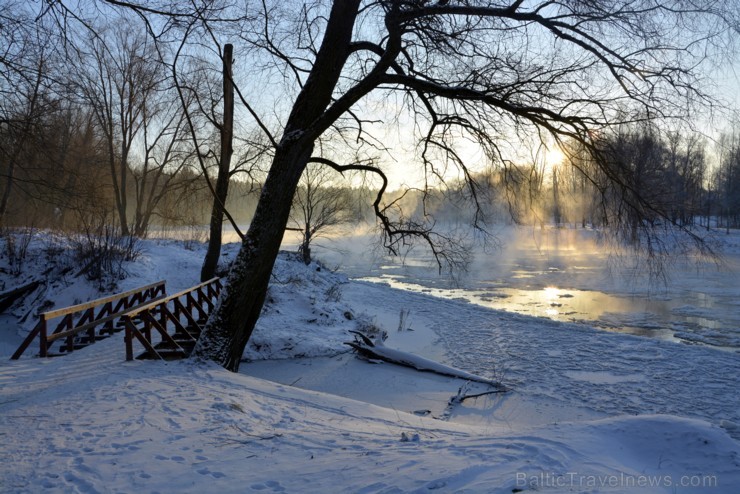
point(169, 328)
point(82, 318)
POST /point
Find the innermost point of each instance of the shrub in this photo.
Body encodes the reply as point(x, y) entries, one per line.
point(16, 247)
point(102, 251)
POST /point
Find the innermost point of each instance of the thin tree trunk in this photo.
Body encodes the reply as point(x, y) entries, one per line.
point(120, 206)
point(306, 247)
point(6, 192)
point(555, 198)
point(123, 200)
point(210, 262)
point(20, 145)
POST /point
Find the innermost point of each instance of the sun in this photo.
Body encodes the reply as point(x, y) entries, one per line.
point(554, 157)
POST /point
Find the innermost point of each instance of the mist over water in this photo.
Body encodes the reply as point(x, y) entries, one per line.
point(566, 275)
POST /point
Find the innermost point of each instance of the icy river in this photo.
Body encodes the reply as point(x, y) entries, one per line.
point(567, 275)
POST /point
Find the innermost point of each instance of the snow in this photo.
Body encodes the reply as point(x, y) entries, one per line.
point(587, 410)
point(303, 314)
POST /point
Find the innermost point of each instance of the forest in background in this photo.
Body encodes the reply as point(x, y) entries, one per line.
point(94, 135)
point(60, 170)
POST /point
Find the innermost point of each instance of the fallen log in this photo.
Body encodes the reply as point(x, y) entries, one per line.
point(8, 298)
point(376, 350)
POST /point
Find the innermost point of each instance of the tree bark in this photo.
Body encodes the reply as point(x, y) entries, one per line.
point(233, 319)
point(306, 245)
point(210, 261)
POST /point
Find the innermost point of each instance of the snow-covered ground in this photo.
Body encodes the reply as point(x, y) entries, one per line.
point(587, 410)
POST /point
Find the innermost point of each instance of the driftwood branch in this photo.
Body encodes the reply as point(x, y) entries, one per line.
point(376, 350)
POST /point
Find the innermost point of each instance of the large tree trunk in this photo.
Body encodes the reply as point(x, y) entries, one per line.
point(233, 319)
point(210, 261)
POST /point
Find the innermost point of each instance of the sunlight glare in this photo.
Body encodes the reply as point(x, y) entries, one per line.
point(550, 295)
point(554, 156)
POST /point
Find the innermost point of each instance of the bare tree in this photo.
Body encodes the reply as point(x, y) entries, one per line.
point(492, 73)
point(461, 69)
point(52, 119)
point(196, 87)
point(165, 153)
point(318, 205)
point(13, 141)
point(727, 181)
point(23, 72)
point(142, 124)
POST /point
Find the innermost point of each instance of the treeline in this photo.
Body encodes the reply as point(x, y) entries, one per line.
point(691, 182)
point(94, 129)
point(56, 173)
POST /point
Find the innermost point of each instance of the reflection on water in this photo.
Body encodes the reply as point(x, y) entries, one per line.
point(629, 315)
point(565, 275)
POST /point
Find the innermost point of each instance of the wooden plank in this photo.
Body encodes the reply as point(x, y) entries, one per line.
point(188, 316)
point(43, 342)
point(148, 306)
point(104, 311)
point(128, 337)
point(207, 299)
point(214, 290)
point(87, 326)
point(163, 332)
point(135, 332)
point(193, 304)
point(67, 323)
point(31, 336)
point(64, 323)
point(175, 320)
point(92, 303)
point(70, 343)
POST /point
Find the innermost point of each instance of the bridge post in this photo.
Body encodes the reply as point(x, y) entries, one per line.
point(128, 337)
point(43, 342)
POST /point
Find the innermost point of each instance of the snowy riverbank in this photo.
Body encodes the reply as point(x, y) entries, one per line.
point(589, 411)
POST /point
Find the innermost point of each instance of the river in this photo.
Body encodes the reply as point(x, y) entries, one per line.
point(570, 275)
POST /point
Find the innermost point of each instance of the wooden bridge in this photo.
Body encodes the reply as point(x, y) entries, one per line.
point(167, 327)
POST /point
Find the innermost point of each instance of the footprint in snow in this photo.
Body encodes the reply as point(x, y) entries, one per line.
point(273, 485)
point(207, 471)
